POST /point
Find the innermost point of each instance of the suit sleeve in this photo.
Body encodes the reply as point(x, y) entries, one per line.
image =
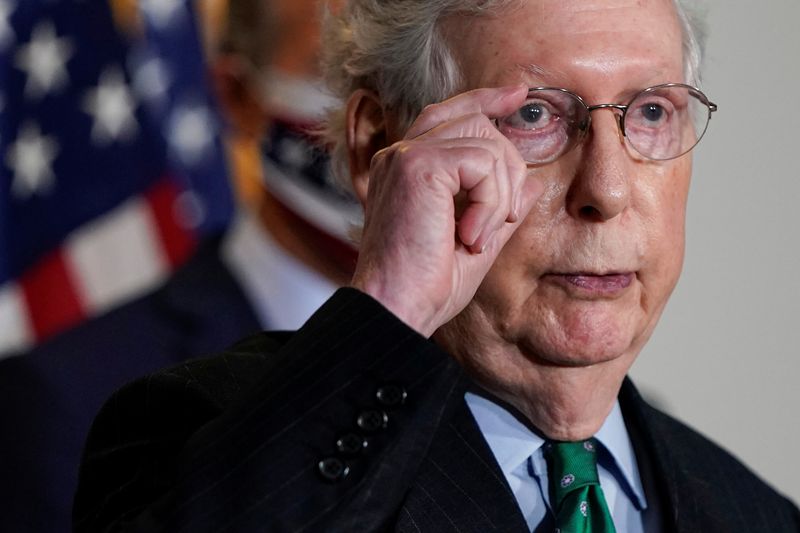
point(326, 439)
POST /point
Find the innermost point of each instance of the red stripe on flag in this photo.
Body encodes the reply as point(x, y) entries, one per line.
point(50, 294)
point(177, 240)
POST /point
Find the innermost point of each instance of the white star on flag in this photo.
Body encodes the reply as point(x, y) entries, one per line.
point(151, 79)
point(31, 158)
point(162, 13)
point(44, 60)
point(6, 32)
point(189, 133)
point(111, 106)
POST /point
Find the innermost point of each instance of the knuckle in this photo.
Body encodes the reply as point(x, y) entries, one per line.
point(429, 113)
point(490, 158)
point(381, 155)
point(409, 156)
point(381, 159)
point(482, 124)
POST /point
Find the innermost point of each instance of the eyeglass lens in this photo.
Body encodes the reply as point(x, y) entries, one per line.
point(660, 123)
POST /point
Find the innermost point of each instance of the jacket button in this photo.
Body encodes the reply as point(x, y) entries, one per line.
point(351, 444)
point(391, 395)
point(372, 420)
point(333, 469)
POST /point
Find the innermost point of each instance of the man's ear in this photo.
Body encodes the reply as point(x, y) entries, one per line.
point(366, 134)
point(238, 96)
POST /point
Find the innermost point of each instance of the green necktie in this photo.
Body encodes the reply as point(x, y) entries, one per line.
point(575, 493)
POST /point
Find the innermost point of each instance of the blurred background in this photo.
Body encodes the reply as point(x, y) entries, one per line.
point(726, 355)
point(112, 165)
point(162, 194)
point(156, 155)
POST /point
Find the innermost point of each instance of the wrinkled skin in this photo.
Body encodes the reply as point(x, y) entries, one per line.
point(578, 257)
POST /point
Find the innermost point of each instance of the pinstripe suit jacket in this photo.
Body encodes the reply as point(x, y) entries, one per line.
point(236, 442)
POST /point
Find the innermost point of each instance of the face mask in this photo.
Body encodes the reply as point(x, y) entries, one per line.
point(296, 166)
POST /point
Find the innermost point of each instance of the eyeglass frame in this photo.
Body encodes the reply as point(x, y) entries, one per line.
point(711, 106)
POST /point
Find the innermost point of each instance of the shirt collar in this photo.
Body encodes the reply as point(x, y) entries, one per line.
point(613, 435)
point(512, 442)
point(509, 439)
point(283, 291)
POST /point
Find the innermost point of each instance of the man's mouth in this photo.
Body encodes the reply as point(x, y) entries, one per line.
point(590, 283)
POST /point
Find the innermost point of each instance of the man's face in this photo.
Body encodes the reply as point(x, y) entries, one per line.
point(586, 276)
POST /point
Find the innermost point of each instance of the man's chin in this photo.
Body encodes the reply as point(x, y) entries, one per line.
point(576, 355)
point(584, 346)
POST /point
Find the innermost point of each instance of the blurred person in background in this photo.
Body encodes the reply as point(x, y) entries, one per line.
point(524, 167)
point(282, 256)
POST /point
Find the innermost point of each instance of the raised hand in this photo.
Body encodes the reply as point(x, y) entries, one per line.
point(441, 204)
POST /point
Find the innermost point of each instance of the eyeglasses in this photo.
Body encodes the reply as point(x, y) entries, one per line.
point(661, 122)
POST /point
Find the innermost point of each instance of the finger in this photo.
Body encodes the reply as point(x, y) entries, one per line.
point(469, 166)
point(492, 102)
point(529, 194)
point(517, 176)
point(486, 211)
point(478, 125)
point(483, 174)
point(483, 201)
point(468, 125)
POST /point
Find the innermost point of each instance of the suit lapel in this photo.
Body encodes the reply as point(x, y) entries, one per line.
point(460, 486)
point(670, 469)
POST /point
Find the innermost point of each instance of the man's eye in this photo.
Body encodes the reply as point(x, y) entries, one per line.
point(531, 116)
point(652, 112)
point(655, 112)
point(531, 113)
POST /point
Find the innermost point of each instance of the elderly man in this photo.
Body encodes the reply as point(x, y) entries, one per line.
point(531, 225)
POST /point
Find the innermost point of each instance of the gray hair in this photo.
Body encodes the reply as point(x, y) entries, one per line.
point(396, 49)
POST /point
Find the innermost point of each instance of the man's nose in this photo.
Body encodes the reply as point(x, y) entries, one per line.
point(600, 189)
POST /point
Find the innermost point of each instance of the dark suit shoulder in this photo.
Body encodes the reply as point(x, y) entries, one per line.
point(222, 377)
point(247, 440)
point(188, 394)
point(707, 488)
point(160, 412)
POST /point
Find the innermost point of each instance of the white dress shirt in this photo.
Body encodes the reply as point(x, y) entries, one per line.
point(283, 291)
point(519, 452)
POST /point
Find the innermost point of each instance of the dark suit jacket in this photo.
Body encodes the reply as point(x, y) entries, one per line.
point(49, 397)
point(250, 441)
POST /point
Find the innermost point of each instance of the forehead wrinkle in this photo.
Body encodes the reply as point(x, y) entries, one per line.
point(535, 71)
point(583, 9)
point(598, 51)
point(535, 75)
point(607, 16)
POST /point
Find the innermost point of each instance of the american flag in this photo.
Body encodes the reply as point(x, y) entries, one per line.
point(111, 165)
